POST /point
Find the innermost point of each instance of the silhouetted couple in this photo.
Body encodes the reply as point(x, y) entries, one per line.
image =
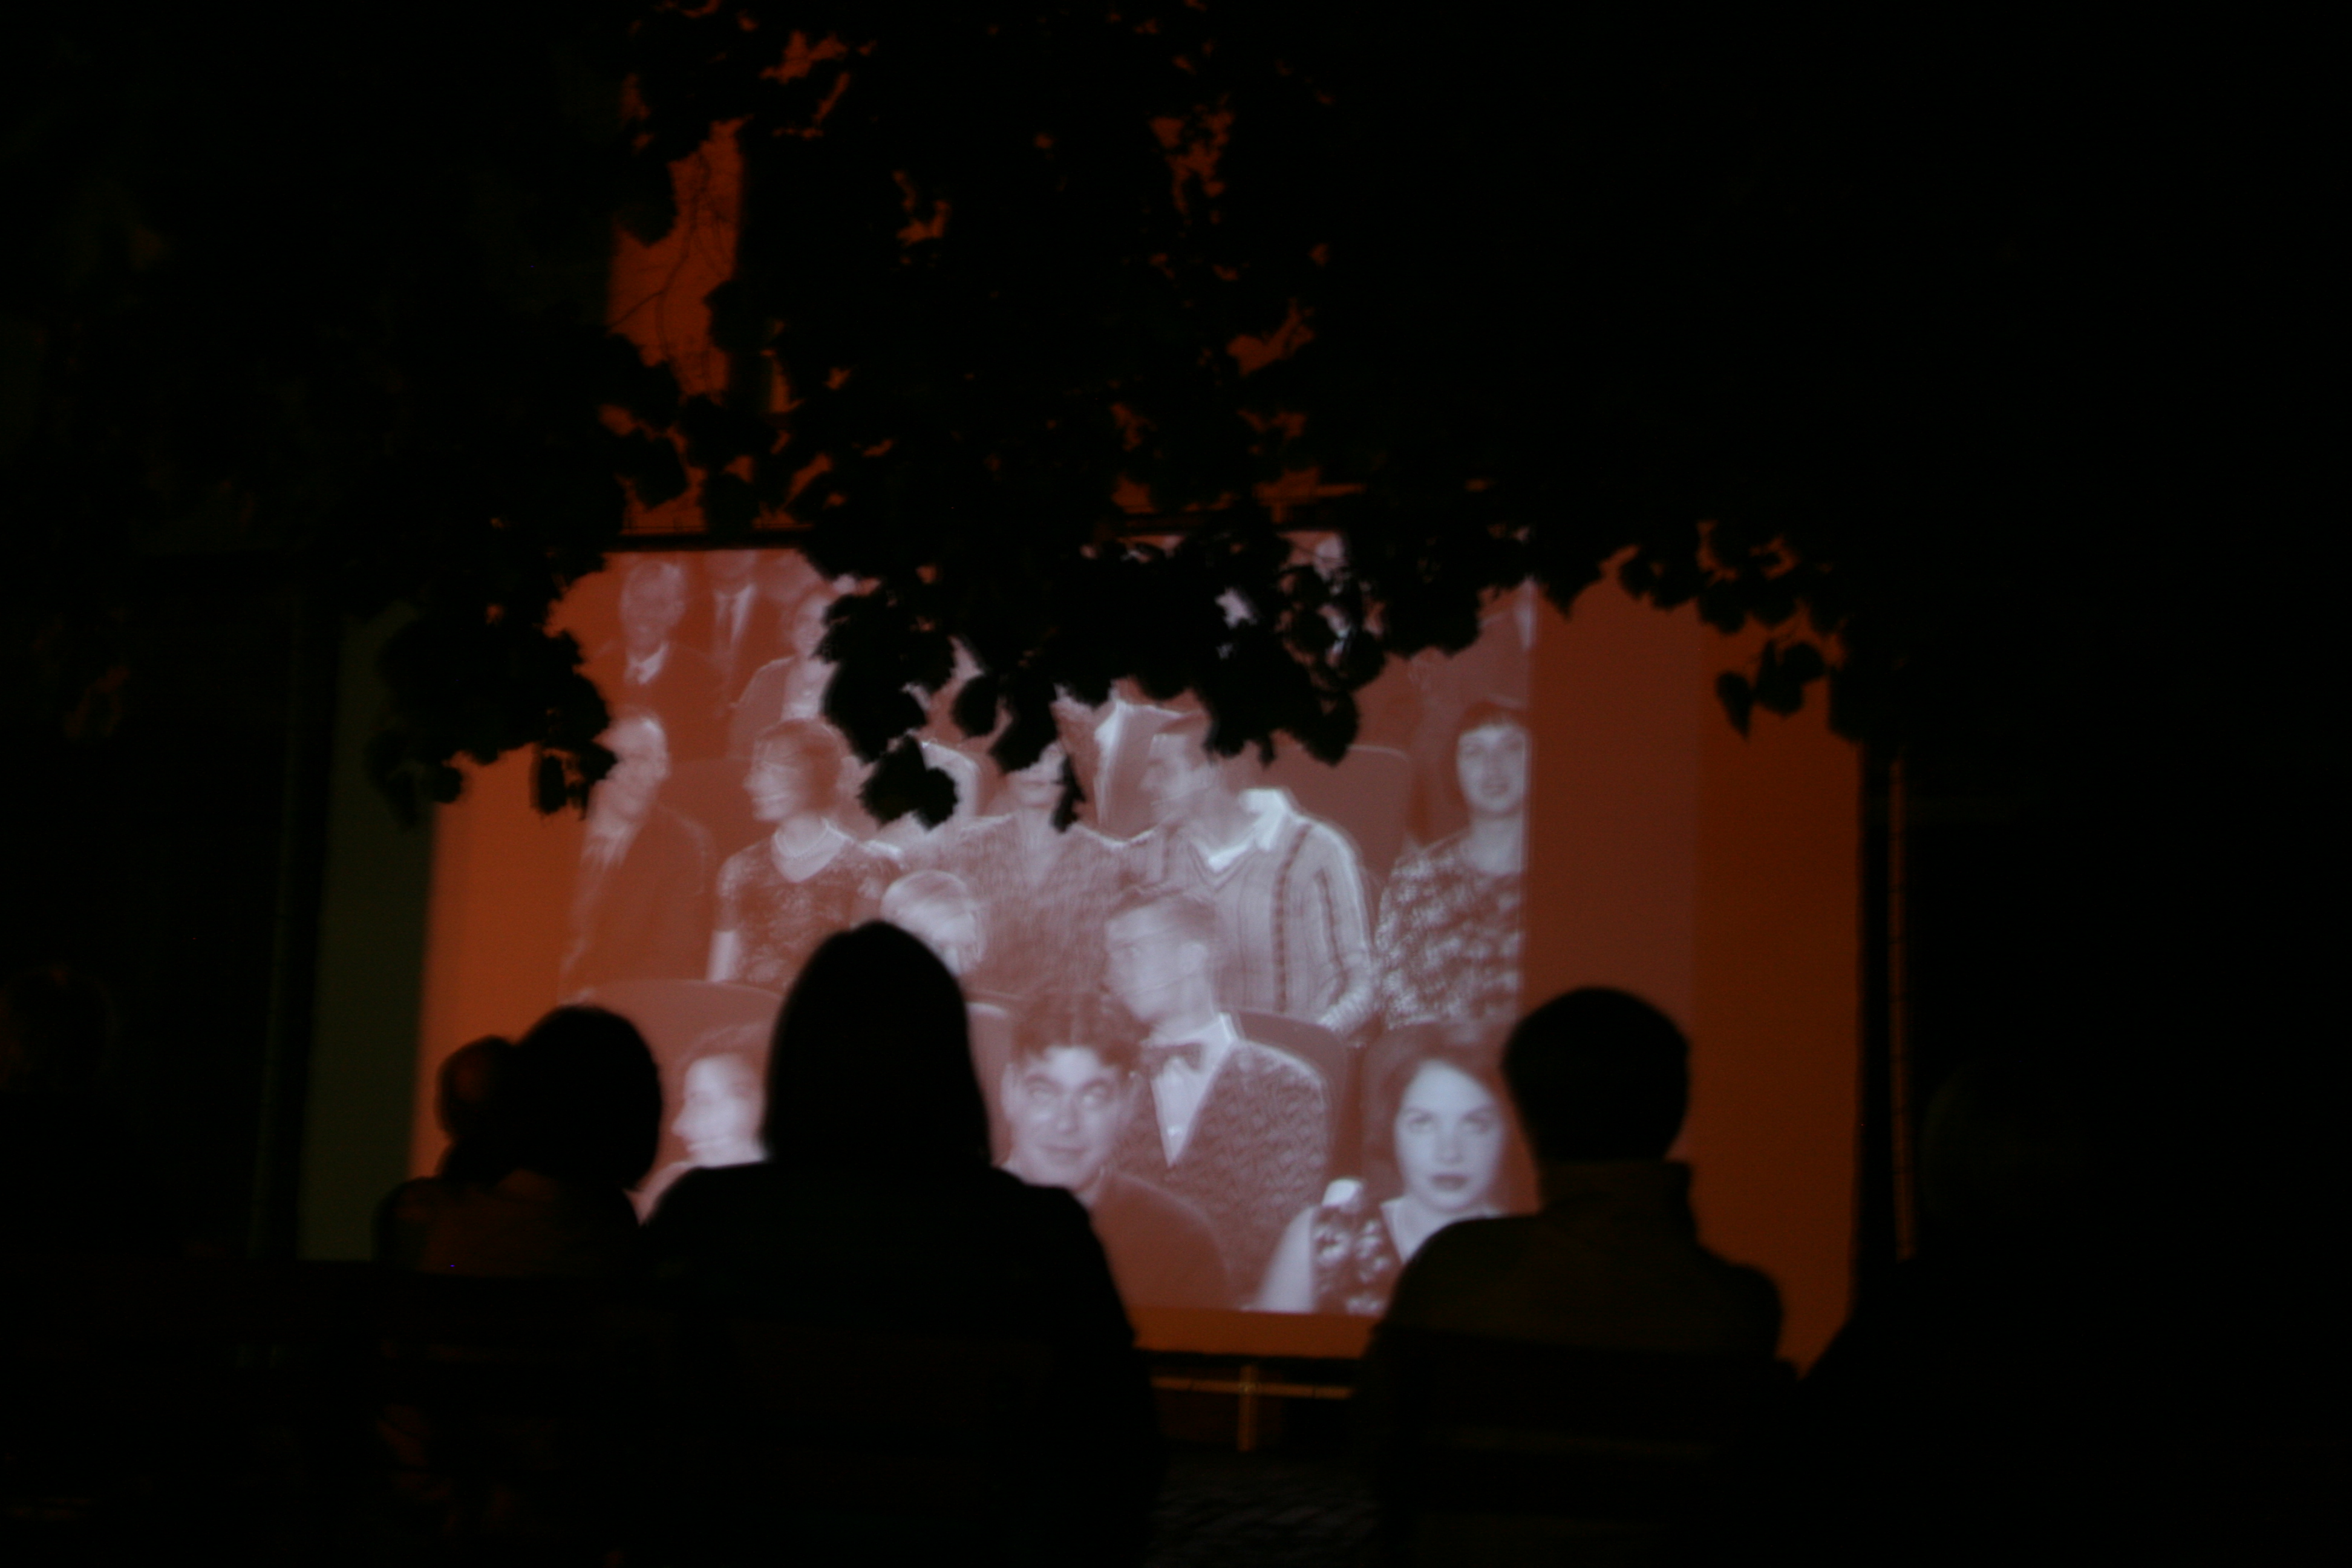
point(877, 1217)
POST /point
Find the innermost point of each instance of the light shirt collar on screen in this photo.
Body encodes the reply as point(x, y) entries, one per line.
point(1179, 1088)
point(609, 838)
point(645, 671)
point(734, 609)
point(1269, 809)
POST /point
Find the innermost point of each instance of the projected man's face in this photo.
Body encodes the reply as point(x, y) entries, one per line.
point(1038, 786)
point(651, 605)
point(641, 763)
point(1066, 1107)
point(1150, 963)
point(719, 1122)
point(1177, 778)
point(1492, 762)
point(775, 785)
point(1449, 1140)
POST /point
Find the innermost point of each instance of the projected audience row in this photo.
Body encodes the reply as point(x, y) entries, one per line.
point(1248, 1014)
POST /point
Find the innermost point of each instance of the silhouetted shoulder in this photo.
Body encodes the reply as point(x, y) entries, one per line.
point(974, 1253)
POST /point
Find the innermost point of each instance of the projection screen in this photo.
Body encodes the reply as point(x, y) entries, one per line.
point(1250, 1013)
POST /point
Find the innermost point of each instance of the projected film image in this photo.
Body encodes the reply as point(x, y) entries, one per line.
point(1249, 1014)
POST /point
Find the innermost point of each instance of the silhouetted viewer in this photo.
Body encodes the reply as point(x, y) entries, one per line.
point(2009, 1393)
point(877, 1215)
point(1605, 1351)
point(581, 1118)
point(1601, 1080)
point(71, 1186)
point(471, 1092)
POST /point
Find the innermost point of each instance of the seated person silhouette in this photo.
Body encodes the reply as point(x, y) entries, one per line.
point(472, 1092)
point(2014, 1389)
point(1556, 1386)
point(877, 1213)
point(582, 1122)
point(1071, 1086)
point(1601, 1080)
point(1437, 1139)
point(1238, 1130)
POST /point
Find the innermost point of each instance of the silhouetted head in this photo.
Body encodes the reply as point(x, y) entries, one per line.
point(55, 1025)
point(474, 1100)
point(870, 1074)
point(1598, 1075)
point(587, 1102)
point(796, 767)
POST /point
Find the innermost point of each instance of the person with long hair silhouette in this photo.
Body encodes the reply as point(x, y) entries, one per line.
point(879, 1213)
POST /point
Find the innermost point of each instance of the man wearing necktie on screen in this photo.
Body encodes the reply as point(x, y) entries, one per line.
point(1237, 1129)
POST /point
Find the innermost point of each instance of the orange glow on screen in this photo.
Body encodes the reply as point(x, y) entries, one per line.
point(1668, 856)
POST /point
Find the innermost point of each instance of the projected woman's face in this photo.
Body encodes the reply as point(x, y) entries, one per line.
point(1492, 760)
point(1449, 1139)
point(775, 785)
point(641, 762)
point(1066, 1106)
point(719, 1122)
point(809, 625)
point(1038, 786)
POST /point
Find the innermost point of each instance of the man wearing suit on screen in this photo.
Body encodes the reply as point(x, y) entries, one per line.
point(1070, 1088)
point(641, 907)
point(651, 667)
point(1238, 1130)
point(731, 622)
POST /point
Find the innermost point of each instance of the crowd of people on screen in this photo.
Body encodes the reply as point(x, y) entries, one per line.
point(1258, 989)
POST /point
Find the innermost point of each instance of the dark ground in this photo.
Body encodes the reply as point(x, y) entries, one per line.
point(1259, 1510)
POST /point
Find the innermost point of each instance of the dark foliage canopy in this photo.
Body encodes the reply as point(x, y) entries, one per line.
point(1047, 318)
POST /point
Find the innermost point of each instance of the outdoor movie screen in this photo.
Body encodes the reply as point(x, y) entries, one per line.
point(1249, 1014)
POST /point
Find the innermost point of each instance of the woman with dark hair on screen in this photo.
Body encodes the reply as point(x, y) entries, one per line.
point(1438, 1140)
point(1448, 941)
point(877, 1213)
point(1045, 889)
point(777, 897)
point(580, 1121)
